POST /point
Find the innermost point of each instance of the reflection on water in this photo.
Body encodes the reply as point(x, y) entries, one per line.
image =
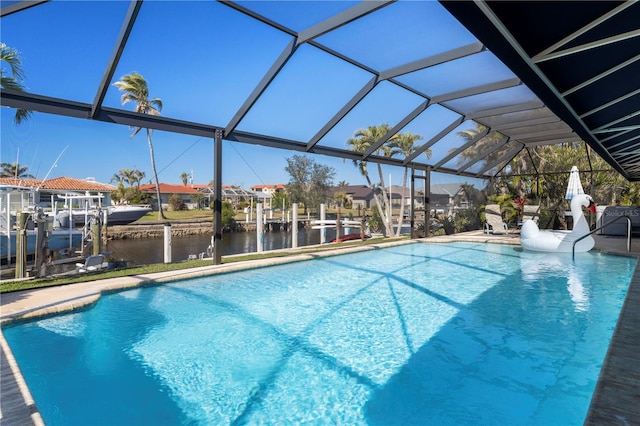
point(151, 250)
point(535, 266)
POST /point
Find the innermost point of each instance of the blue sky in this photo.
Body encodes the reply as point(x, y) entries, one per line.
point(203, 59)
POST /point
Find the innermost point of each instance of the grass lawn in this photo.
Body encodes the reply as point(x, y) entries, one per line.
point(180, 215)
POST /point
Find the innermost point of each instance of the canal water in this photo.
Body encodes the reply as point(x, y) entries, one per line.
point(151, 250)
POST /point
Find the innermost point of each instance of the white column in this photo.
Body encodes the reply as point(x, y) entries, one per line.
point(294, 234)
point(259, 231)
point(167, 242)
point(323, 217)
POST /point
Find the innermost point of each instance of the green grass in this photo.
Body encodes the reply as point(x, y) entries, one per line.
point(8, 286)
point(180, 215)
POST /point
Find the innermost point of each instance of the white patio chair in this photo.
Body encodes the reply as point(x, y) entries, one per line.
point(91, 263)
point(494, 224)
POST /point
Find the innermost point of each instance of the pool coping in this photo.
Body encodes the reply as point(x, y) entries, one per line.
point(614, 400)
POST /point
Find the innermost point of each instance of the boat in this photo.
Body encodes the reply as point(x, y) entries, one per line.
point(126, 214)
point(60, 240)
point(123, 214)
point(350, 237)
point(17, 199)
point(532, 238)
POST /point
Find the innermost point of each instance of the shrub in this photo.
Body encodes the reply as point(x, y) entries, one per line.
point(176, 203)
point(227, 214)
point(375, 221)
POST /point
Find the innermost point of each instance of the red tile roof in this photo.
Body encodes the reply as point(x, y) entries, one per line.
point(278, 186)
point(166, 188)
point(200, 186)
point(60, 183)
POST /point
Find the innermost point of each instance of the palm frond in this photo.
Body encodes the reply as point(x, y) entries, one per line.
point(12, 58)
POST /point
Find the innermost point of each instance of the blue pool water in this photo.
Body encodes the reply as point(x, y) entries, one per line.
point(414, 334)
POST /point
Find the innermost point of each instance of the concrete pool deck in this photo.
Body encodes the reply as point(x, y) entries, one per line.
point(615, 399)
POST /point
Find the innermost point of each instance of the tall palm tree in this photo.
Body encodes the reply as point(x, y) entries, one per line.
point(184, 177)
point(14, 81)
point(136, 90)
point(14, 170)
point(404, 144)
point(360, 142)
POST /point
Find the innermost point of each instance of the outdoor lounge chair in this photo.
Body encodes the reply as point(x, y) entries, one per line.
point(494, 224)
point(91, 263)
point(531, 212)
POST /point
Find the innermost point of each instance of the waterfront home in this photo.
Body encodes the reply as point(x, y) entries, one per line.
point(268, 189)
point(52, 191)
point(188, 193)
point(359, 196)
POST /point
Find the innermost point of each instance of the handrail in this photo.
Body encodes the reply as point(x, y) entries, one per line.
point(573, 249)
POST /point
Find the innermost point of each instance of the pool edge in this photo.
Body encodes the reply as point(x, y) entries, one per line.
point(615, 398)
point(17, 403)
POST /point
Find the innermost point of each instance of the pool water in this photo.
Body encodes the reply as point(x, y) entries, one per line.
point(415, 334)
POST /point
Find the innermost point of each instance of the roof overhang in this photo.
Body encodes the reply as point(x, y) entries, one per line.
point(582, 59)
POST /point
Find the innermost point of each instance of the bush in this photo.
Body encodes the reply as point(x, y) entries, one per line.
point(375, 221)
point(227, 214)
point(176, 203)
point(467, 220)
point(447, 223)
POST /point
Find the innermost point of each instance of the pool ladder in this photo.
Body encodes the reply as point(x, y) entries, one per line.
point(573, 249)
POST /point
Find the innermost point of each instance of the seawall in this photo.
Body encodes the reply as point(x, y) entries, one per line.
point(181, 229)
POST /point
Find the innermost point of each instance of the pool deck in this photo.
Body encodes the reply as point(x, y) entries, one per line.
point(616, 400)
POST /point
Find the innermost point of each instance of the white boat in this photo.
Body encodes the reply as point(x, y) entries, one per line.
point(84, 206)
point(15, 199)
point(125, 214)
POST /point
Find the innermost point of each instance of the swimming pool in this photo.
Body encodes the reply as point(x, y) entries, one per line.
point(415, 334)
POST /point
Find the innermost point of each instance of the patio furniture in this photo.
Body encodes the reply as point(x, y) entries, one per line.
point(91, 263)
point(494, 224)
point(531, 212)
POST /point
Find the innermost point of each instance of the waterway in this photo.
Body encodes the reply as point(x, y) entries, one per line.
point(151, 250)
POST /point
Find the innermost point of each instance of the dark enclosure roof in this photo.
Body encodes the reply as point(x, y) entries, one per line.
point(582, 59)
point(431, 68)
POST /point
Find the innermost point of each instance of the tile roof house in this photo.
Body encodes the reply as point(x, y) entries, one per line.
point(166, 190)
point(60, 184)
point(63, 185)
point(268, 189)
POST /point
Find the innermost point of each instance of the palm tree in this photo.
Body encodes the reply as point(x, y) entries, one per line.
point(360, 142)
point(14, 170)
point(404, 144)
point(136, 177)
point(130, 177)
point(136, 90)
point(184, 177)
point(12, 58)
